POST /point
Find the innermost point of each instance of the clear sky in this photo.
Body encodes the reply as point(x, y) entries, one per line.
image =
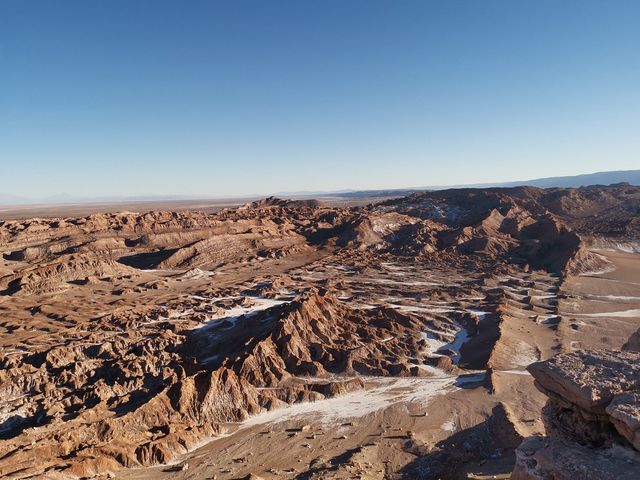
point(132, 97)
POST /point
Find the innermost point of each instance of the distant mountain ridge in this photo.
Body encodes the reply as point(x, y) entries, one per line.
point(631, 177)
point(599, 178)
point(571, 181)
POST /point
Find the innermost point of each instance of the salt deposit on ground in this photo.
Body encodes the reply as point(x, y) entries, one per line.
point(384, 392)
point(233, 314)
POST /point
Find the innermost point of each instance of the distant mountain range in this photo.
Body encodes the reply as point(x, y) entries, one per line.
point(631, 177)
point(599, 178)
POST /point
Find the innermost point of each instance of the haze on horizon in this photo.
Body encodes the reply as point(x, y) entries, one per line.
point(230, 98)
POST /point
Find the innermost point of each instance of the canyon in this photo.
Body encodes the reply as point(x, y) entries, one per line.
point(463, 333)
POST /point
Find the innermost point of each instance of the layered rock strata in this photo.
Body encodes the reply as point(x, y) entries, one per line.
point(592, 418)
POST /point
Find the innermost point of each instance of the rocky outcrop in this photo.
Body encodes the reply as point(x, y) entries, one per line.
point(139, 399)
point(318, 336)
point(592, 418)
point(585, 261)
point(506, 224)
point(633, 343)
point(57, 275)
point(314, 335)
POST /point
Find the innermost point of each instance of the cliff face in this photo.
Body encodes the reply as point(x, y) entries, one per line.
point(592, 418)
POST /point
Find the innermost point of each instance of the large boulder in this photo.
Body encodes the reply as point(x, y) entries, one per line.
point(600, 386)
point(592, 418)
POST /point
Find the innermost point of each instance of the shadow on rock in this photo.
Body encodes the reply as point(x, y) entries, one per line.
point(488, 446)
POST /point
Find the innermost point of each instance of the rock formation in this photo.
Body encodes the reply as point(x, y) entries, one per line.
point(592, 418)
point(127, 339)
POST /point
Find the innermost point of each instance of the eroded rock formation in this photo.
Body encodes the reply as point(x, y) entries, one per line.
point(127, 339)
point(592, 418)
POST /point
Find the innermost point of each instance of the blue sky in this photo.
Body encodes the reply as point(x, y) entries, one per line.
point(238, 97)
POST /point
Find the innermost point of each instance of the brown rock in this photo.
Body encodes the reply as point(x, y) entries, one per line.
point(589, 379)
